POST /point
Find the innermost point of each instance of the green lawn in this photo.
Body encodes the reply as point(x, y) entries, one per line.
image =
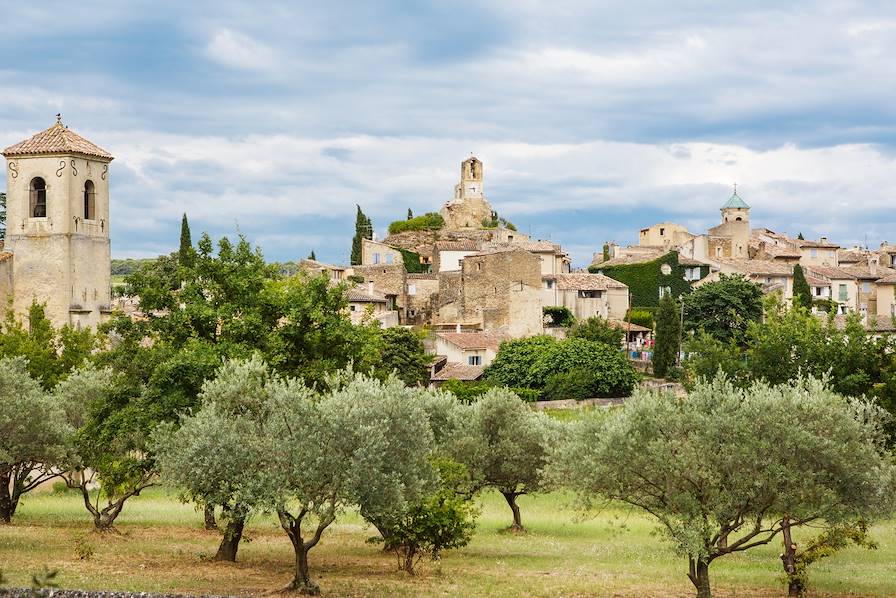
point(162, 548)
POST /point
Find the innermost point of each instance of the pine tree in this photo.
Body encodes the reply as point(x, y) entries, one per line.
point(801, 237)
point(668, 335)
point(311, 256)
point(186, 252)
point(410, 214)
point(802, 294)
point(363, 230)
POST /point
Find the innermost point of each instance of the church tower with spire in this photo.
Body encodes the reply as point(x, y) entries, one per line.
point(57, 226)
point(468, 208)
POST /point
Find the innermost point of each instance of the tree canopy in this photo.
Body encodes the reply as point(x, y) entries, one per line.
point(723, 308)
point(729, 469)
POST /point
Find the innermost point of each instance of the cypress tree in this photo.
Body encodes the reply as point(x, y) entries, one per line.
point(410, 214)
point(801, 237)
point(363, 230)
point(185, 253)
point(802, 294)
point(668, 334)
point(311, 256)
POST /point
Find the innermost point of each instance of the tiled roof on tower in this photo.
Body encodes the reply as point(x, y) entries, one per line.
point(735, 201)
point(58, 139)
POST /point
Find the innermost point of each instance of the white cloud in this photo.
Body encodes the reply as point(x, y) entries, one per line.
point(238, 50)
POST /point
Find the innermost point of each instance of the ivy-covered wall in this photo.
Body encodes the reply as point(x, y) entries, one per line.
point(412, 264)
point(645, 279)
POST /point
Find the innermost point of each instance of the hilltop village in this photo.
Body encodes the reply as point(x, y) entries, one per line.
point(464, 272)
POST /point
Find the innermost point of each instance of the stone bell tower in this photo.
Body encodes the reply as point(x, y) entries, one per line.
point(57, 226)
point(468, 208)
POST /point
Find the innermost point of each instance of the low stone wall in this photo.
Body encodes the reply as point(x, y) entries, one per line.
point(574, 404)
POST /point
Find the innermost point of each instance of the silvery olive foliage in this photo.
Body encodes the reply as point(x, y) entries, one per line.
point(34, 434)
point(505, 445)
point(725, 468)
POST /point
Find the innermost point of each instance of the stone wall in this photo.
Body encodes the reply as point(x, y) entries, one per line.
point(420, 304)
point(388, 280)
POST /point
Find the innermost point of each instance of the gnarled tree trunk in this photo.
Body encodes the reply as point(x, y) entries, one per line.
point(699, 576)
point(795, 586)
point(510, 497)
point(8, 501)
point(233, 533)
point(292, 525)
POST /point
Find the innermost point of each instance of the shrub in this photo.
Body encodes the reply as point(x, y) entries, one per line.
point(428, 221)
point(584, 368)
point(514, 361)
point(470, 391)
point(640, 316)
point(560, 316)
point(598, 330)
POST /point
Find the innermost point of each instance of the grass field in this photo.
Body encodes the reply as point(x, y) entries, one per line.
point(163, 548)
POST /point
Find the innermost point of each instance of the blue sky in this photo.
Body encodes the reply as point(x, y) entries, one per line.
point(592, 119)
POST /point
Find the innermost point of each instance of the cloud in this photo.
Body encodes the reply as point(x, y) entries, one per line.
point(237, 50)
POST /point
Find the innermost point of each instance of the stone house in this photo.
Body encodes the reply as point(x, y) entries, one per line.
point(389, 280)
point(374, 253)
point(498, 290)
point(447, 254)
point(57, 249)
point(886, 296)
point(667, 235)
point(422, 291)
point(818, 253)
point(586, 295)
point(652, 274)
point(468, 348)
point(316, 268)
point(366, 303)
point(844, 286)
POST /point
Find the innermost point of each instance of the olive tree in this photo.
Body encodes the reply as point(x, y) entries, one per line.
point(215, 454)
point(363, 444)
point(505, 445)
point(34, 434)
point(725, 470)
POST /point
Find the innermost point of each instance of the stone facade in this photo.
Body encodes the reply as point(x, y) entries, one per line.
point(58, 226)
point(500, 291)
point(422, 291)
point(375, 253)
point(391, 281)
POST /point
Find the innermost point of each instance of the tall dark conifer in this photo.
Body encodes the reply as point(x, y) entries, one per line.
point(802, 294)
point(668, 336)
point(363, 230)
point(185, 253)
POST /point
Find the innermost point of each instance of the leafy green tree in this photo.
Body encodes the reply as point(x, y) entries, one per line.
point(186, 253)
point(727, 470)
point(723, 308)
point(215, 453)
point(598, 330)
point(363, 230)
point(50, 352)
point(110, 445)
point(512, 366)
point(828, 543)
point(559, 315)
point(34, 434)
point(403, 353)
point(802, 294)
point(505, 446)
point(442, 520)
point(668, 337)
point(577, 368)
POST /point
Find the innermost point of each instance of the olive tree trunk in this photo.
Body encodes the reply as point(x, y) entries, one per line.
point(230, 543)
point(510, 497)
point(209, 515)
point(699, 576)
point(292, 525)
point(8, 500)
point(795, 585)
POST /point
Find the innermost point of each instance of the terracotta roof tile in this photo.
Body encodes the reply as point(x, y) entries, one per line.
point(357, 295)
point(472, 340)
point(579, 281)
point(461, 245)
point(58, 139)
point(458, 371)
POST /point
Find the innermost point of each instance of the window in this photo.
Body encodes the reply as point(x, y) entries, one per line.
point(474, 360)
point(549, 284)
point(89, 201)
point(37, 194)
point(412, 289)
point(389, 258)
point(352, 307)
point(842, 292)
point(662, 231)
point(813, 252)
point(376, 258)
point(866, 287)
point(510, 237)
point(665, 291)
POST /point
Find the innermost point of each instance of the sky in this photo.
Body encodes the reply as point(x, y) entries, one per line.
point(592, 119)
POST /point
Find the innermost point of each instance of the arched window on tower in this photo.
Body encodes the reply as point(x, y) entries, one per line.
point(37, 194)
point(89, 201)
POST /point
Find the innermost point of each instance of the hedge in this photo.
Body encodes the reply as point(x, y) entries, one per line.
point(428, 221)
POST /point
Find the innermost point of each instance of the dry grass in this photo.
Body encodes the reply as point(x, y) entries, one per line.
point(162, 548)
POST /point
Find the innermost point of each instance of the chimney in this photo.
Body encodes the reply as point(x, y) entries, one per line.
point(457, 327)
point(370, 287)
point(873, 263)
point(823, 240)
